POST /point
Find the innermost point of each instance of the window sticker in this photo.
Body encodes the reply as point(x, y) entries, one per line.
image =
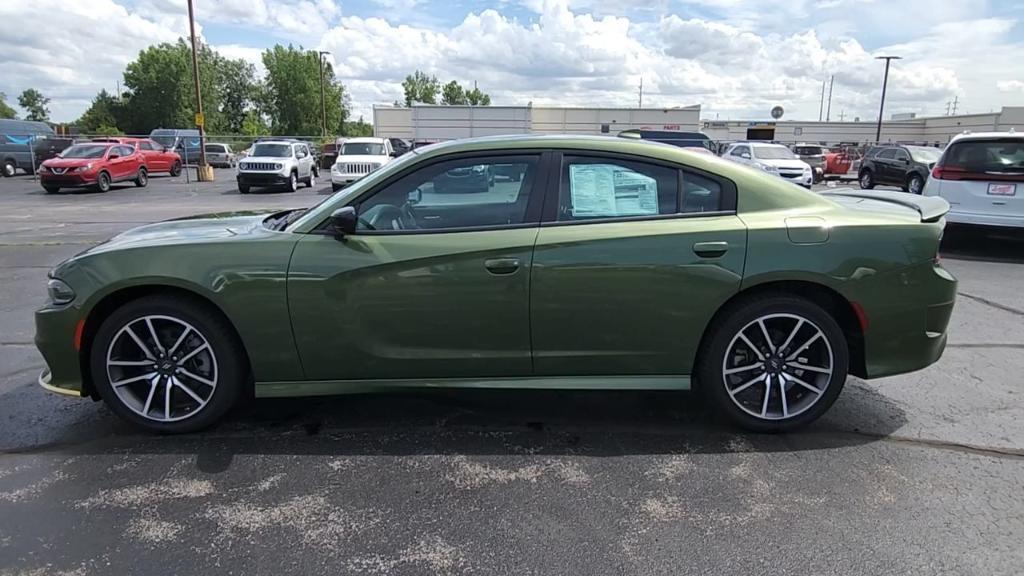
point(607, 190)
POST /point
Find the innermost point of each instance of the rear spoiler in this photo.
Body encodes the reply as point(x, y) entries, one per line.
point(931, 208)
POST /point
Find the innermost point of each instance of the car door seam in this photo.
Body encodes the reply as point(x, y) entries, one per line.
point(288, 307)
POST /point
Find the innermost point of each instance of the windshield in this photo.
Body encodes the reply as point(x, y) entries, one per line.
point(272, 150)
point(924, 155)
point(362, 149)
point(215, 148)
point(85, 151)
point(809, 150)
point(773, 153)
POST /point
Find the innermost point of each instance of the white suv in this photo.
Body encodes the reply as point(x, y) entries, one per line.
point(774, 159)
point(982, 177)
point(277, 163)
point(357, 158)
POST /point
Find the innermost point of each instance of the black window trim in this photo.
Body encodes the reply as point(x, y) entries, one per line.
point(531, 219)
point(550, 213)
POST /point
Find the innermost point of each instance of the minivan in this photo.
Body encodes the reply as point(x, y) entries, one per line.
point(183, 141)
point(16, 144)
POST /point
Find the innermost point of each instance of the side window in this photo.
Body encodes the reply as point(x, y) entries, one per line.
point(145, 145)
point(700, 194)
point(611, 188)
point(297, 149)
point(463, 193)
point(887, 154)
point(901, 154)
point(740, 150)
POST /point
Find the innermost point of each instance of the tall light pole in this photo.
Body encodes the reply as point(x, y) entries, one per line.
point(885, 83)
point(323, 102)
point(205, 174)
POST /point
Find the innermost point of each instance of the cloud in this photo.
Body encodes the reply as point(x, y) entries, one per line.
point(1010, 86)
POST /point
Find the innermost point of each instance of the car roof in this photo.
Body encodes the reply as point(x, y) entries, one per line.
point(285, 142)
point(365, 140)
point(986, 135)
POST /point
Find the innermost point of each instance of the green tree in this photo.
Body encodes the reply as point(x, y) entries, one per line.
point(6, 111)
point(421, 88)
point(105, 130)
point(101, 113)
point(358, 128)
point(453, 95)
point(475, 97)
point(35, 104)
point(254, 125)
point(291, 93)
point(236, 80)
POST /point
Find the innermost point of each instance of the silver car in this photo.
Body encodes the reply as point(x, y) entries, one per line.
point(982, 177)
point(220, 155)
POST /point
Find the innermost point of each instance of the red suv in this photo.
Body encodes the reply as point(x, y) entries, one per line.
point(97, 164)
point(157, 158)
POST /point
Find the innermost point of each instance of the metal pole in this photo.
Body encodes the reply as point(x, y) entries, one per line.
point(323, 102)
point(199, 95)
point(641, 92)
point(821, 105)
point(885, 85)
point(828, 113)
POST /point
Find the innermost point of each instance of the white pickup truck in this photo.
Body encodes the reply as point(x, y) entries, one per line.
point(357, 158)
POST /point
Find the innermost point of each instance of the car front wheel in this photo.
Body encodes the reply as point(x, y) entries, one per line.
point(774, 363)
point(9, 168)
point(103, 182)
point(167, 364)
point(293, 182)
point(867, 180)
point(176, 168)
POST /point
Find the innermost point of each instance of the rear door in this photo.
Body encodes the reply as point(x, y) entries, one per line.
point(155, 160)
point(883, 161)
point(632, 260)
point(983, 177)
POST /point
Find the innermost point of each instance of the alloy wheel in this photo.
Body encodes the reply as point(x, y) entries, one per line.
point(865, 180)
point(778, 366)
point(162, 368)
point(915, 185)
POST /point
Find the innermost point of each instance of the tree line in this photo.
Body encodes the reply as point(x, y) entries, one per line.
point(419, 87)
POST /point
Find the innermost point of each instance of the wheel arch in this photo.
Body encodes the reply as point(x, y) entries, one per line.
point(834, 303)
point(118, 298)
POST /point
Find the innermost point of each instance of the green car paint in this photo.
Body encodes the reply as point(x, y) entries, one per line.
point(616, 304)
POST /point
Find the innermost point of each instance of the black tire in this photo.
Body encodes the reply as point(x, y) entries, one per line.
point(232, 374)
point(142, 178)
point(335, 187)
point(866, 179)
point(713, 356)
point(293, 182)
point(243, 188)
point(103, 182)
point(915, 184)
point(9, 168)
point(51, 189)
point(176, 168)
point(311, 181)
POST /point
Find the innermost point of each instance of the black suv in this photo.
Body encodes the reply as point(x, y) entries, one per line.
point(904, 166)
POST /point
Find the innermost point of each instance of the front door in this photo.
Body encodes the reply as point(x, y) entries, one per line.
point(628, 269)
point(434, 284)
point(121, 166)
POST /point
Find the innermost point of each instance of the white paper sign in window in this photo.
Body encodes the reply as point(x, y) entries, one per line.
point(609, 191)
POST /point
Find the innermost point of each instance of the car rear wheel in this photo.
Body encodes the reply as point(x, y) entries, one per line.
point(167, 364)
point(176, 168)
point(867, 180)
point(103, 182)
point(9, 168)
point(142, 178)
point(915, 184)
point(311, 181)
point(774, 363)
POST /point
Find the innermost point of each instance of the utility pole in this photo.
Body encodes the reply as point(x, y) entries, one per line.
point(947, 107)
point(821, 105)
point(885, 84)
point(828, 114)
point(205, 173)
point(842, 114)
point(641, 92)
point(323, 102)
point(956, 100)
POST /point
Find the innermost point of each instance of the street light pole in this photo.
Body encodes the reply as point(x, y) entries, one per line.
point(885, 83)
point(323, 102)
point(203, 176)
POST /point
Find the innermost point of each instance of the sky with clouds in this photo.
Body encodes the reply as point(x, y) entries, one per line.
point(737, 58)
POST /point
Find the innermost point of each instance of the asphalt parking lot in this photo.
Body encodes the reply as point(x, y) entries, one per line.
point(917, 474)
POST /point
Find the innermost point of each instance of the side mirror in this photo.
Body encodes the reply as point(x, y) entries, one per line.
point(745, 155)
point(394, 154)
point(343, 221)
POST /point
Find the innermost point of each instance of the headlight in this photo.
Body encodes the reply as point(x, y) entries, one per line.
point(278, 166)
point(42, 169)
point(85, 168)
point(768, 168)
point(59, 292)
point(336, 169)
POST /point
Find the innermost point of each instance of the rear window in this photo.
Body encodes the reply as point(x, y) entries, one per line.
point(809, 150)
point(997, 155)
point(215, 148)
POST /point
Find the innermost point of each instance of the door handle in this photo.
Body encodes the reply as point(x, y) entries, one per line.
point(501, 266)
point(710, 249)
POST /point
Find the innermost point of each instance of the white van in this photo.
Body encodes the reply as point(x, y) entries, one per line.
point(982, 177)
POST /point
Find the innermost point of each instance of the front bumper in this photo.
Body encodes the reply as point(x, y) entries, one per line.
point(806, 179)
point(345, 179)
point(67, 179)
point(55, 339)
point(263, 178)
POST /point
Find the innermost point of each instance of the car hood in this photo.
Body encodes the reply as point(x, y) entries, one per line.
point(190, 229)
point(267, 159)
point(361, 158)
point(782, 163)
point(69, 162)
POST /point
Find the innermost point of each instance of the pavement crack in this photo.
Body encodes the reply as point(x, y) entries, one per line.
point(991, 451)
point(993, 304)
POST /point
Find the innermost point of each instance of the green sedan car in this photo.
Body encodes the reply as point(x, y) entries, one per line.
point(585, 263)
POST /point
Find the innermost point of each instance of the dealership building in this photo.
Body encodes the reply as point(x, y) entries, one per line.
point(431, 122)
